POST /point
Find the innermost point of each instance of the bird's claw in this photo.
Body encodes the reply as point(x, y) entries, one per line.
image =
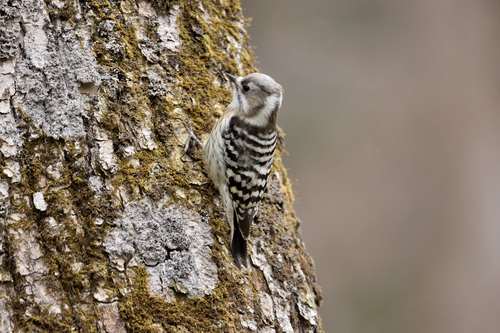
point(191, 140)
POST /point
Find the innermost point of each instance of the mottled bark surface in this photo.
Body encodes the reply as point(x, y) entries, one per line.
point(106, 224)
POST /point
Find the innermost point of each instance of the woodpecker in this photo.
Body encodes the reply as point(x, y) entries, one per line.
point(239, 153)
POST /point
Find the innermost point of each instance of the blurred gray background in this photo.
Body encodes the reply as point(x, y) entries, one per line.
point(392, 111)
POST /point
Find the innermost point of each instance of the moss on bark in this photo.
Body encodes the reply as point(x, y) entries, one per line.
point(138, 119)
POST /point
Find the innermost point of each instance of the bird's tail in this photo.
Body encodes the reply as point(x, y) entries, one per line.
point(239, 246)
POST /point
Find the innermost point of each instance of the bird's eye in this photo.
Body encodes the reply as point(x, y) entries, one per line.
point(245, 88)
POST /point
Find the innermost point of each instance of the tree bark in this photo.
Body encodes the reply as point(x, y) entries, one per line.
point(108, 222)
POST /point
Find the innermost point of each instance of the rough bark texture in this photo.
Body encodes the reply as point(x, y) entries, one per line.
point(106, 224)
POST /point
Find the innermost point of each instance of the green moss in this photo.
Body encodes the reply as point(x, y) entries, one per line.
point(142, 311)
point(204, 57)
point(47, 322)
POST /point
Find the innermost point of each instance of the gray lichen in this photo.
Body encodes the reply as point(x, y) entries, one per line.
point(103, 154)
point(10, 138)
point(267, 306)
point(28, 259)
point(12, 170)
point(172, 242)
point(39, 201)
point(111, 321)
point(306, 302)
point(49, 78)
point(9, 37)
point(249, 324)
point(167, 38)
point(168, 30)
point(4, 190)
point(6, 324)
point(280, 296)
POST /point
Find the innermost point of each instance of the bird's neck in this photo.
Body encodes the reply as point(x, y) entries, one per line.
point(265, 117)
point(255, 127)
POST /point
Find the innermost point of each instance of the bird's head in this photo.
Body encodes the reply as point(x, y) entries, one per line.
point(256, 97)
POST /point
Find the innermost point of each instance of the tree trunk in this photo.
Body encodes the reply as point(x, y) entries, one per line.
point(107, 222)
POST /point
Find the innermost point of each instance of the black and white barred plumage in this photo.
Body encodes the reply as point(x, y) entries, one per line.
point(239, 153)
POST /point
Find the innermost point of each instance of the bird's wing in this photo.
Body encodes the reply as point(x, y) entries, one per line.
point(248, 164)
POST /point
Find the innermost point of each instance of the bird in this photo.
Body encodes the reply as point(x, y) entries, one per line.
point(239, 153)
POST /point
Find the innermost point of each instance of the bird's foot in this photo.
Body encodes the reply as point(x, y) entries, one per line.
point(192, 141)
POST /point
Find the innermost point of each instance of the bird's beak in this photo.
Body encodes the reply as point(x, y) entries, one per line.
point(232, 78)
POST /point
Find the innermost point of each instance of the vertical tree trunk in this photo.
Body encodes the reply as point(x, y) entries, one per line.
point(106, 223)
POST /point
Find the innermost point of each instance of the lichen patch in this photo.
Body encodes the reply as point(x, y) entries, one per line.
point(172, 242)
point(50, 79)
